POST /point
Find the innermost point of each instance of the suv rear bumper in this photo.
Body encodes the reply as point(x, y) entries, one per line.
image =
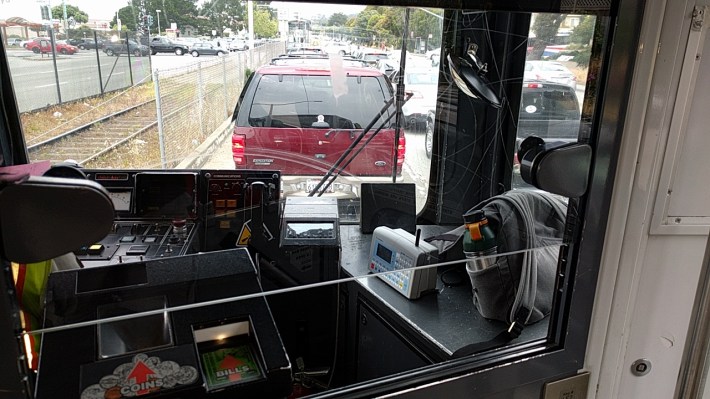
point(343, 187)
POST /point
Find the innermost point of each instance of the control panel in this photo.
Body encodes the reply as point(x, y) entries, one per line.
point(394, 256)
point(164, 213)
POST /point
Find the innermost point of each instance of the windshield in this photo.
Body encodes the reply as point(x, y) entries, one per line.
point(204, 152)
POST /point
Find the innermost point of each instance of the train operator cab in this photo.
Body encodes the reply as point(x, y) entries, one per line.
point(351, 252)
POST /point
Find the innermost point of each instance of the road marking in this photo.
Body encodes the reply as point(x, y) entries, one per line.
point(50, 85)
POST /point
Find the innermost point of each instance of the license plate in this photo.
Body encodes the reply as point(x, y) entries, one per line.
point(311, 184)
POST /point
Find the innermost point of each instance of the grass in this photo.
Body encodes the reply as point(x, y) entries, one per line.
point(52, 121)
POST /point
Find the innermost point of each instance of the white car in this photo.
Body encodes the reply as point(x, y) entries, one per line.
point(549, 71)
point(238, 45)
point(423, 85)
point(340, 48)
point(434, 56)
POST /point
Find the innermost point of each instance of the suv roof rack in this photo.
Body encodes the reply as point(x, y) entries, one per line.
point(311, 59)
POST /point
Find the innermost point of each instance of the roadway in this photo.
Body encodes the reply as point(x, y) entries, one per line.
point(35, 81)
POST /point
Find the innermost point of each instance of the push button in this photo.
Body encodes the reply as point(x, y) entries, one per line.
point(95, 249)
point(128, 239)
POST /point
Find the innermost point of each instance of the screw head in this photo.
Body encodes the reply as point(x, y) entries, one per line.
point(641, 367)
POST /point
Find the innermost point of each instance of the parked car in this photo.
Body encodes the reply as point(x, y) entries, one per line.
point(549, 71)
point(118, 48)
point(372, 56)
point(340, 48)
point(205, 48)
point(44, 46)
point(238, 45)
point(422, 84)
point(87, 43)
point(24, 43)
point(165, 45)
point(434, 56)
point(288, 117)
point(14, 42)
point(550, 111)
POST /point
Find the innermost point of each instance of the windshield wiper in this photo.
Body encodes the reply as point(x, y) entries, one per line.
point(349, 150)
point(336, 131)
point(398, 113)
point(352, 145)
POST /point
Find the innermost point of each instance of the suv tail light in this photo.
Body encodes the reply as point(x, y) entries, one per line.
point(238, 145)
point(401, 146)
point(533, 85)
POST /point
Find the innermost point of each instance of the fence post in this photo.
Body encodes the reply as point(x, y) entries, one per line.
point(224, 83)
point(200, 100)
point(98, 63)
point(159, 115)
point(54, 61)
point(128, 51)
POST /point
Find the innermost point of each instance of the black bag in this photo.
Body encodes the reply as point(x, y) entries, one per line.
point(529, 227)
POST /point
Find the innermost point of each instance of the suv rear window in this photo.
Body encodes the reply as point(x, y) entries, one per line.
point(298, 100)
point(549, 103)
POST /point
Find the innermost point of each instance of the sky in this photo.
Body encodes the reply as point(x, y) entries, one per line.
point(104, 9)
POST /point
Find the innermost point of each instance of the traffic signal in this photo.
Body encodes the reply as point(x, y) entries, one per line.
point(45, 13)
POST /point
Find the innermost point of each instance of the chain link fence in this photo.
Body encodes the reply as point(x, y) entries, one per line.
point(50, 71)
point(194, 101)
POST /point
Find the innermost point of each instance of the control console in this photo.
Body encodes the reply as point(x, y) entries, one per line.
point(165, 213)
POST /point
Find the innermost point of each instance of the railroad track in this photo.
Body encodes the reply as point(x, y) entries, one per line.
point(89, 141)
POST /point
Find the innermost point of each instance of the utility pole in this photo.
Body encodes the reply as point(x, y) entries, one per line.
point(250, 16)
point(64, 7)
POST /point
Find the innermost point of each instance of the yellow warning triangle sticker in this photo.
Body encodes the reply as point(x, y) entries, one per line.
point(244, 235)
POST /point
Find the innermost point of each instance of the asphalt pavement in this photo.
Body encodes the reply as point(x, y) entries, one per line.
point(78, 76)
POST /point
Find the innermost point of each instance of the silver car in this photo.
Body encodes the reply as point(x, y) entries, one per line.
point(549, 71)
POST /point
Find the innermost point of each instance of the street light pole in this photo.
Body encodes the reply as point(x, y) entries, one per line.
point(158, 12)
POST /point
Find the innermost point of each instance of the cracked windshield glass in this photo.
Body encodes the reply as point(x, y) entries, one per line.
point(257, 106)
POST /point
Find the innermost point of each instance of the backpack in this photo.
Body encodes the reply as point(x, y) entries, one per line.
point(519, 286)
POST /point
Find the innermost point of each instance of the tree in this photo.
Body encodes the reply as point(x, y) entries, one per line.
point(222, 14)
point(128, 16)
point(180, 12)
point(583, 33)
point(72, 12)
point(264, 24)
point(545, 28)
point(337, 19)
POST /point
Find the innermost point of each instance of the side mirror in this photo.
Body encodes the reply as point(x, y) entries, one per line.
point(469, 75)
point(558, 167)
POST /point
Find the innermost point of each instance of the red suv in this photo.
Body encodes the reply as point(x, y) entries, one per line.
point(300, 119)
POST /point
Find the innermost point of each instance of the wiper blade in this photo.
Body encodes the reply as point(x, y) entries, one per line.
point(362, 147)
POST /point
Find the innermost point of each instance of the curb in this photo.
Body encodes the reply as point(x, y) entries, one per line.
point(202, 154)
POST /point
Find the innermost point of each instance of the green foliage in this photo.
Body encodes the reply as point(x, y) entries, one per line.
point(337, 19)
point(80, 32)
point(265, 26)
point(583, 33)
point(579, 55)
point(72, 11)
point(128, 16)
point(545, 28)
point(222, 14)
